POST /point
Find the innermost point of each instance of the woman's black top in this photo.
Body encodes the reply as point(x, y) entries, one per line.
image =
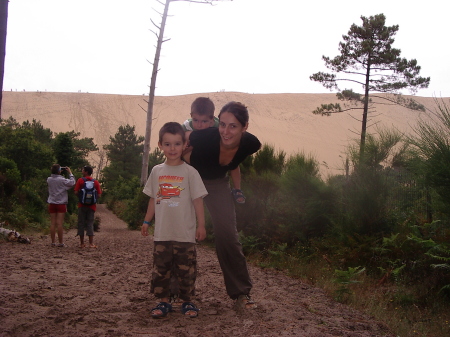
point(206, 151)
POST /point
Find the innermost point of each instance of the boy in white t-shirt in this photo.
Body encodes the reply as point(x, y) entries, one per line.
point(176, 200)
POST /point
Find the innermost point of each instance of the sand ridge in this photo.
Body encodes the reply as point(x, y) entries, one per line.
point(284, 121)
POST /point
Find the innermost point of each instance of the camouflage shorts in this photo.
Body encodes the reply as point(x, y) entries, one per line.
point(179, 258)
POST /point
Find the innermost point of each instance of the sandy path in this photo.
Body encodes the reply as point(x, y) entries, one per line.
point(47, 291)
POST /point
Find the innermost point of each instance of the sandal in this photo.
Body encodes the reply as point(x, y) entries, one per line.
point(238, 195)
point(163, 307)
point(189, 309)
point(92, 246)
point(61, 245)
point(53, 244)
point(245, 302)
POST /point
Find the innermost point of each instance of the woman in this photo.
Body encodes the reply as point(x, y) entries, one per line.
point(214, 152)
point(57, 201)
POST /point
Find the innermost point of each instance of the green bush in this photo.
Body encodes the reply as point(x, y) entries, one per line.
point(309, 201)
point(135, 209)
point(9, 181)
point(431, 142)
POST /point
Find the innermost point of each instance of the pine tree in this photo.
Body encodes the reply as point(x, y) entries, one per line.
point(124, 154)
point(368, 59)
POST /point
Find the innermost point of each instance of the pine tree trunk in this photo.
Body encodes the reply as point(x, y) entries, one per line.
point(3, 27)
point(151, 96)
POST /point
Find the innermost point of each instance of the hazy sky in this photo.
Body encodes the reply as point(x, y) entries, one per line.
point(252, 46)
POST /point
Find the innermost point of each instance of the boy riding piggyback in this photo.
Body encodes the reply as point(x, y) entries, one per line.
point(202, 117)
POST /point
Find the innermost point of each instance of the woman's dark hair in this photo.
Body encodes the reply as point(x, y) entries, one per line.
point(173, 128)
point(56, 169)
point(239, 111)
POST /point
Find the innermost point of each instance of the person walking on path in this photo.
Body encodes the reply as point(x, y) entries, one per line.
point(86, 211)
point(57, 201)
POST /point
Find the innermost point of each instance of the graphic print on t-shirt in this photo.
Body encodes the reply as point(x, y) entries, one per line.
point(169, 188)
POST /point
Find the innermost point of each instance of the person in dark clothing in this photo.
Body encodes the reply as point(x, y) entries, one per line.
point(214, 152)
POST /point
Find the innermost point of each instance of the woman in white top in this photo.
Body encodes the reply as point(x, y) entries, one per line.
point(57, 201)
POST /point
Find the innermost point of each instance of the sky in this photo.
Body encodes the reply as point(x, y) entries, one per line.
point(250, 46)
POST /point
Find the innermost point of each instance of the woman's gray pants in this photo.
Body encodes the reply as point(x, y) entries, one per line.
point(220, 204)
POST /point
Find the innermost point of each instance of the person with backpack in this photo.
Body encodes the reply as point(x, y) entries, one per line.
point(88, 191)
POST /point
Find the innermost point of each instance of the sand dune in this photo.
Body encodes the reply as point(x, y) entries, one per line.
point(282, 120)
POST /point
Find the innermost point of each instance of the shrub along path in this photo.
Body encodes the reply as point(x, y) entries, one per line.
point(47, 291)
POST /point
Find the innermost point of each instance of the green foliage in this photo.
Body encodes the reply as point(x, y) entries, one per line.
point(30, 194)
point(327, 109)
point(431, 141)
point(63, 149)
point(367, 203)
point(385, 149)
point(260, 216)
point(29, 155)
point(125, 156)
point(18, 219)
point(9, 179)
point(155, 158)
point(408, 103)
point(364, 202)
point(41, 134)
point(369, 48)
point(261, 182)
point(136, 208)
point(250, 244)
point(123, 193)
point(125, 146)
point(442, 254)
point(367, 58)
point(266, 160)
point(407, 257)
point(83, 146)
point(279, 250)
point(349, 95)
point(72, 151)
point(26, 155)
point(125, 189)
point(346, 278)
point(308, 200)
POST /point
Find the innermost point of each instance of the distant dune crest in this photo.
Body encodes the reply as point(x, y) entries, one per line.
point(282, 120)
